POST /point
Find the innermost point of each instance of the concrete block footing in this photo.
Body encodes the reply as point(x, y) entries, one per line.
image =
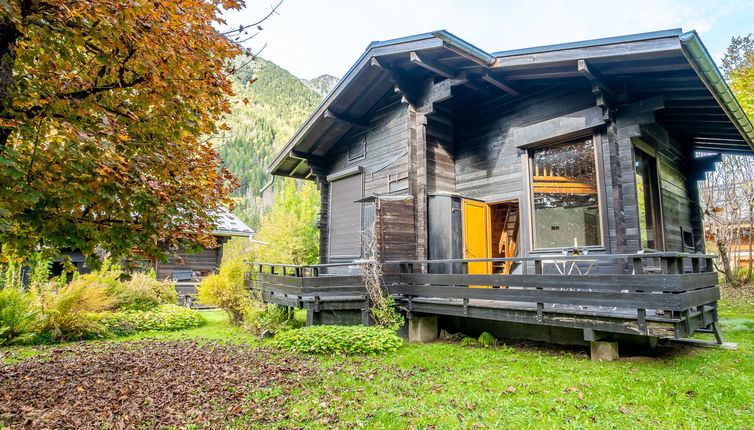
point(603, 351)
point(422, 329)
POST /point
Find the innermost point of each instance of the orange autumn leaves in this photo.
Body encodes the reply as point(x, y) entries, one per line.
point(105, 121)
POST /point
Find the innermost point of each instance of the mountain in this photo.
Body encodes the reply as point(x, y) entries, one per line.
point(322, 85)
point(268, 106)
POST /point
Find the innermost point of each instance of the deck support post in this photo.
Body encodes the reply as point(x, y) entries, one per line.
point(603, 351)
point(313, 317)
point(365, 314)
point(717, 332)
point(422, 329)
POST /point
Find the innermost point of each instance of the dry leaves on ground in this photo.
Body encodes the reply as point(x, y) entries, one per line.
point(152, 384)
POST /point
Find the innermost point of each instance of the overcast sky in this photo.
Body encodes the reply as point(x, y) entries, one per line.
point(314, 37)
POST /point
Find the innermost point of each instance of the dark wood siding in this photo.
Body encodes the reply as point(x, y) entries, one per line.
point(206, 261)
point(488, 164)
point(385, 162)
point(396, 234)
point(441, 175)
point(345, 217)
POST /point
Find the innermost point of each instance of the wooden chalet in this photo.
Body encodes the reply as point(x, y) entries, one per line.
point(561, 178)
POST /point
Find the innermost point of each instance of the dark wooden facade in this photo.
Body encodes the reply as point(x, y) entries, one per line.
point(431, 116)
point(203, 263)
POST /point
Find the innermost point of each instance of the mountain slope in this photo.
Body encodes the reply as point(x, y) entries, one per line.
point(264, 115)
point(322, 85)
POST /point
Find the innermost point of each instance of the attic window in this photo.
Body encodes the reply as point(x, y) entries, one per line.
point(357, 149)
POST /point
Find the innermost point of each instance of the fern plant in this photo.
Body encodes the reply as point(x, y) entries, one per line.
point(65, 310)
point(18, 316)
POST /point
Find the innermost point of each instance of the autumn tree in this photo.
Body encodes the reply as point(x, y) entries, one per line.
point(738, 67)
point(106, 107)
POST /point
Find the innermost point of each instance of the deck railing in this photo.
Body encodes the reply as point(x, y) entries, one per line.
point(670, 284)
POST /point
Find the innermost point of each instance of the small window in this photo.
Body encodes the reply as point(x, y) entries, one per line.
point(357, 149)
point(565, 195)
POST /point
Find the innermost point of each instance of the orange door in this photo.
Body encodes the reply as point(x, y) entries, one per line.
point(476, 236)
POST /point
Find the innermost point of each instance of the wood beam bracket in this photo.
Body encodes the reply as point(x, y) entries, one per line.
point(431, 65)
point(345, 119)
point(499, 84)
point(402, 85)
point(603, 95)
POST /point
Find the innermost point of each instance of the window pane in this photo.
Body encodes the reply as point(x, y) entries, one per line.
point(566, 207)
point(645, 174)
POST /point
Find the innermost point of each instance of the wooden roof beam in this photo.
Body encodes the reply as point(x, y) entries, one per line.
point(594, 76)
point(496, 83)
point(353, 122)
point(401, 85)
point(431, 65)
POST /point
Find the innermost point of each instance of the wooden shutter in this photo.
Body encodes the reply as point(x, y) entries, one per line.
point(345, 217)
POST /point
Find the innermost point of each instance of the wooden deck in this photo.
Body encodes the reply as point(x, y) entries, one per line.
point(664, 295)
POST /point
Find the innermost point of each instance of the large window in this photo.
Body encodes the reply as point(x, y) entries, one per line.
point(647, 198)
point(565, 197)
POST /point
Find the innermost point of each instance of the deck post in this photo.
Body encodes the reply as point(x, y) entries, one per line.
point(365, 314)
point(313, 317)
point(603, 351)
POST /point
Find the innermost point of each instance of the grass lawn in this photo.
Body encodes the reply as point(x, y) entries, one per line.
point(440, 385)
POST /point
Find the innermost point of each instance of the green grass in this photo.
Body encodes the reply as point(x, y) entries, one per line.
point(448, 386)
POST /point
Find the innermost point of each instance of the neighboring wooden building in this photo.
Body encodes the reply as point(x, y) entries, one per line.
point(450, 152)
point(201, 264)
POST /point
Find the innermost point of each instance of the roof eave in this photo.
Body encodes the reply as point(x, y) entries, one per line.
point(705, 68)
point(444, 38)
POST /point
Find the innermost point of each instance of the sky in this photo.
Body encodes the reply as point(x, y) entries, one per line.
point(310, 38)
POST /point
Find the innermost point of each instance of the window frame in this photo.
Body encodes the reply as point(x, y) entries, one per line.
point(639, 144)
point(598, 172)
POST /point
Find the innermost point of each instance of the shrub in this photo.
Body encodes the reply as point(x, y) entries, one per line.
point(487, 340)
point(226, 291)
point(274, 318)
point(163, 318)
point(143, 293)
point(469, 341)
point(18, 316)
point(64, 310)
point(331, 339)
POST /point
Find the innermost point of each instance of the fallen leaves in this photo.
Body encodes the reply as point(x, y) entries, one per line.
point(151, 383)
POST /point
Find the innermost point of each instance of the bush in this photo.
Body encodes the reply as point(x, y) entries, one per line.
point(487, 340)
point(226, 291)
point(469, 341)
point(332, 339)
point(274, 318)
point(143, 293)
point(64, 310)
point(18, 316)
point(163, 318)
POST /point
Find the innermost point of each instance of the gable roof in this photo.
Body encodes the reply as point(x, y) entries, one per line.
point(698, 105)
point(229, 225)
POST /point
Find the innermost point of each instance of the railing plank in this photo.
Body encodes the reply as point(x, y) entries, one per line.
point(566, 297)
point(650, 283)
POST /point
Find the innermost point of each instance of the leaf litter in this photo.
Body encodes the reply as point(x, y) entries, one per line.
point(152, 384)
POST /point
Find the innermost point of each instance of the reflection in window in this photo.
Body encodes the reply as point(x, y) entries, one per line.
point(646, 178)
point(564, 185)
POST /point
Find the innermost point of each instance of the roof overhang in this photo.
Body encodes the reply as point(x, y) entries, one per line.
point(699, 107)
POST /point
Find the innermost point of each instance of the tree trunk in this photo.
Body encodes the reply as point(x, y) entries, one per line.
point(725, 260)
point(749, 236)
point(8, 36)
